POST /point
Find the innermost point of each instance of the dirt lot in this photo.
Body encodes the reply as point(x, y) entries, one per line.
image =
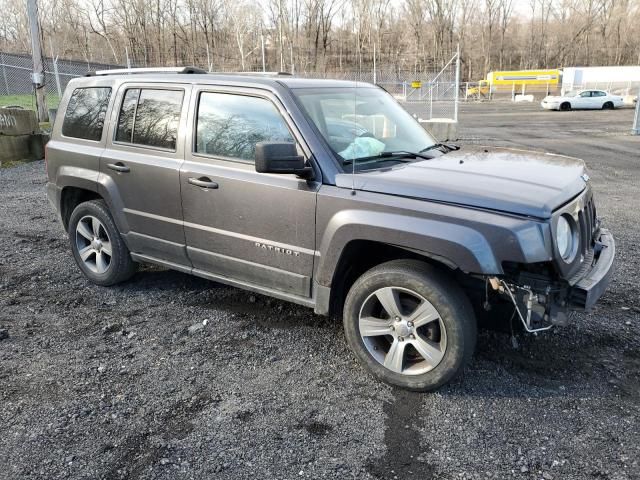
point(111, 382)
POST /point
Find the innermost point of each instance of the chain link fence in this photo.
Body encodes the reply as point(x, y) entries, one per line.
point(483, 91)
point(435, 92)
point(16, 87)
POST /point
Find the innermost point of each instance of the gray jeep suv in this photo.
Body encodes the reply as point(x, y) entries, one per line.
point(330, 195)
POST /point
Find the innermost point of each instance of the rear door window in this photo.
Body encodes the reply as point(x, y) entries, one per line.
point(150, 117)
point(230, 125)
point(124, 133)
point(85, 113)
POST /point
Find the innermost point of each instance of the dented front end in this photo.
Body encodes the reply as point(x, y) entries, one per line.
point(575, 279)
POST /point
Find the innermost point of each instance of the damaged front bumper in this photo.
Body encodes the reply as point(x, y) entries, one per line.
point(540, 308)
point(584, 294)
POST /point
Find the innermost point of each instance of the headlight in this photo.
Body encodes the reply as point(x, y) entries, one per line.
point(566, 239)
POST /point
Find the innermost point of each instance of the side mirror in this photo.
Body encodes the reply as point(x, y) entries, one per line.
point(280, 157)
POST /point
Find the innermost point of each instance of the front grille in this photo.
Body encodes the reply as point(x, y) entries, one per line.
point(588, 226)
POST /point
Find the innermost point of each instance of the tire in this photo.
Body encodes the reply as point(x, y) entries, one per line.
point(93, 235)
point(446, 331)
point(607, 106)
point(565, 106)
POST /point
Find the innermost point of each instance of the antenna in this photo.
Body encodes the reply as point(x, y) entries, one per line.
point(355, 119)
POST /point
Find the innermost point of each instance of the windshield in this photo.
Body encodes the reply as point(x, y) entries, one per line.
point(363, 125)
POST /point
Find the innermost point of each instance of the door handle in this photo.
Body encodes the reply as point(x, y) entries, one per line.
point(203, 182)
point(118, 167)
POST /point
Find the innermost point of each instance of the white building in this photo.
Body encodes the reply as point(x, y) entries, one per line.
point(619, 80)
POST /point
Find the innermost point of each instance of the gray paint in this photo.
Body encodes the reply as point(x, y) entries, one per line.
point(501, 179)
point(283, 236)
point(475, 241)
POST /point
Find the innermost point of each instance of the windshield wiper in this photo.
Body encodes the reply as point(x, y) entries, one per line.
point(447, 146)
point(398, 155)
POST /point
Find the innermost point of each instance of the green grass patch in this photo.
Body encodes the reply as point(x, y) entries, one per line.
point(13, 163)
point(27, 101)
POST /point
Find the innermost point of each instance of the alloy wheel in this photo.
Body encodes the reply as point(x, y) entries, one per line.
point(93, 244)
point(402, 330)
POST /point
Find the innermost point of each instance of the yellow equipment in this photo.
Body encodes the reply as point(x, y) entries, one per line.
point(505, 80)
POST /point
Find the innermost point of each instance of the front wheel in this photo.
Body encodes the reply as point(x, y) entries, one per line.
point(607, 106)
point(565, 106)
point(410, 325)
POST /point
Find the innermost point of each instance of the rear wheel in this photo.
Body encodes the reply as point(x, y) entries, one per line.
point(607, 106)
point(410, 325)
point(97, 246)
point(565, 106)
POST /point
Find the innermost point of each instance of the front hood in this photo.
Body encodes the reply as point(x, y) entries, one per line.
point(506, 180)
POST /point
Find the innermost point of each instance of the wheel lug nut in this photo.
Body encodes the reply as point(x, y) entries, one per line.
point(410, 324)
point(412, 336)
point(397, 319)
point(392, 327)
point(401, 339)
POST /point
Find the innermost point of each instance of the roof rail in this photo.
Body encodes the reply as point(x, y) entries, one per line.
point(130, 71)
point(252, 74)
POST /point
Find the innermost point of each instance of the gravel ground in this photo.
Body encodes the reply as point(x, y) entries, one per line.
point(170, 376)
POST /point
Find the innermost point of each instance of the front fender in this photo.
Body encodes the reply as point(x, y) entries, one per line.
point(472, 240)
point(455, 245)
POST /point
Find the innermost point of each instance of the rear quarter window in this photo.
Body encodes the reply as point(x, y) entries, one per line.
point(86, 112)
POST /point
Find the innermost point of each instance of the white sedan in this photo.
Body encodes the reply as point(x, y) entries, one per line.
point(587, 99)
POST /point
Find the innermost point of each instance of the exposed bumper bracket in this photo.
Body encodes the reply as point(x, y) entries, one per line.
point(586, 292)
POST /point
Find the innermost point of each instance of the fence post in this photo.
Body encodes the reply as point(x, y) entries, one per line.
point(455, 112)
point(4, 73)
point(374, 63)
point(636, 121)
point(55, 71)
point(513, 91)
point(430, 100)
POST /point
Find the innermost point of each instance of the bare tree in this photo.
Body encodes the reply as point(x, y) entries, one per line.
point(334, 35)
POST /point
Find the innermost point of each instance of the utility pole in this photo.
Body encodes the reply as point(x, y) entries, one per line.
point(37, 77)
